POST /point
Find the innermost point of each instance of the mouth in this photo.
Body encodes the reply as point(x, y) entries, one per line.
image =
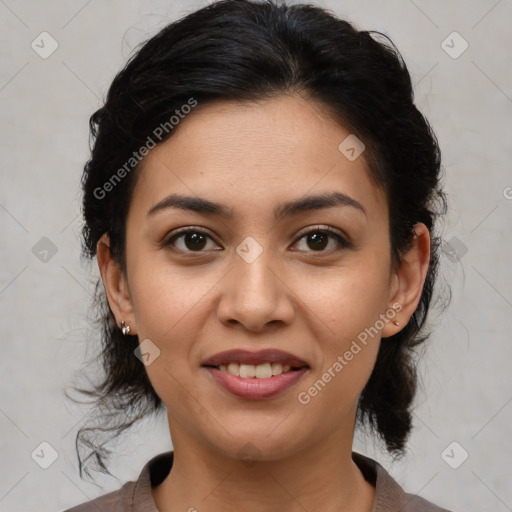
point(262, 364)
point(261, 371)
point(255, 375)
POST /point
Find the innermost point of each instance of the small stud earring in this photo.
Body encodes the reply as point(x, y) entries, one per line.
point(396, 322)
point(125, 328)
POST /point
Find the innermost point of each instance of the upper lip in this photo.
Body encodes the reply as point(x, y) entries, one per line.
point(259, 357)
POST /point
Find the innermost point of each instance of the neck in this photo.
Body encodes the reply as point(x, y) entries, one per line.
point(322, 477)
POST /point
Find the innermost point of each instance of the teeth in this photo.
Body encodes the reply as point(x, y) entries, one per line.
point(247, 370)
point(234, 369)
point(260, 371)
point(263, 371)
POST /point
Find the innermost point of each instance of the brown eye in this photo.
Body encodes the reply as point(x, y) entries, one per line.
point(318, 239)
point(192, 240)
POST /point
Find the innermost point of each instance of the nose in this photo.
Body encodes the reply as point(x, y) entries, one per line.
point(255, 295)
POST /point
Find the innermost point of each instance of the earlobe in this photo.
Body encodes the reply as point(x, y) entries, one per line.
point(408, 279)
point(116, 284)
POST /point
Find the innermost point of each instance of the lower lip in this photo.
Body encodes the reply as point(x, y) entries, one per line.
point(253, 388)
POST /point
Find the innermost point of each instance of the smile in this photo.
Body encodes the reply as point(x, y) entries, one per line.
point(256, 388)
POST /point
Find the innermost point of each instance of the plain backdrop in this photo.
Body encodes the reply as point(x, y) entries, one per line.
point(460, 452)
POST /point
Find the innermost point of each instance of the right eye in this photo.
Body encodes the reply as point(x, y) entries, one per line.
point(192, 240)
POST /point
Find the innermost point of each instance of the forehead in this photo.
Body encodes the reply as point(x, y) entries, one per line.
point(256, 153)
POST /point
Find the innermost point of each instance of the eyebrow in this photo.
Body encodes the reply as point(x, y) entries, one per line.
point(285, 210)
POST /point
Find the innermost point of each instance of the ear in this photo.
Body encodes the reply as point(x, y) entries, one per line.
point(116, 284)
point(408, 279)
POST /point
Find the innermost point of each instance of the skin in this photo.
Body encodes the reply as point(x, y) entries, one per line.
point(311, 302)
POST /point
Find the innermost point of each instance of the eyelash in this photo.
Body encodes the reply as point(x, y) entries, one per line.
point(343, 242)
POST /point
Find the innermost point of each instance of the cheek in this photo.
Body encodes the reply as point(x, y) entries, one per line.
point(334, 392)
point(170, 308)
point(165, 298)
point(346, 300)
point(350, 306)
point(166, 308)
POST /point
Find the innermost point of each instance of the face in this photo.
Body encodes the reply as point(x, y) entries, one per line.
point(306, 281)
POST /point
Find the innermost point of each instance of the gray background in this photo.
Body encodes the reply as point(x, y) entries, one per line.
point(45, 105)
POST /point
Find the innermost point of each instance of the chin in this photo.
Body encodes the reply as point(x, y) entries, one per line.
point(258, 444)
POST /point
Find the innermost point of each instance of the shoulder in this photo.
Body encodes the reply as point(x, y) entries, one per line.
point(389, 495)
point(134, 496)
point(116, 501)
point(414, 503)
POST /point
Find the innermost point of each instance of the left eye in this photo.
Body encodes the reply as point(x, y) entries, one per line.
point(318, 239)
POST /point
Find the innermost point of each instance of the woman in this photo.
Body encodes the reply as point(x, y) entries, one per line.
point(261, 199)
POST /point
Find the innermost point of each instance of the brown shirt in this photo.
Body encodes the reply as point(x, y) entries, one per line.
point(137, 497)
